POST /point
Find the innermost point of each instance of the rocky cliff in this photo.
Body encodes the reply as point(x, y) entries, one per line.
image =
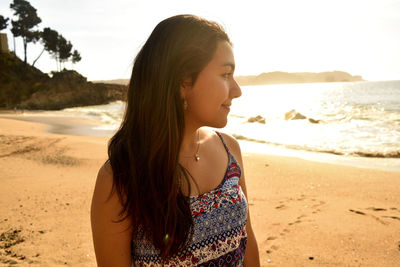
point(26, 87)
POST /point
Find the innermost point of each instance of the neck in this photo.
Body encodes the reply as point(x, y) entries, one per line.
point(190, 142)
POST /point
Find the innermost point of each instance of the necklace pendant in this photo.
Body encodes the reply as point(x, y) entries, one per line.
point(197, 157)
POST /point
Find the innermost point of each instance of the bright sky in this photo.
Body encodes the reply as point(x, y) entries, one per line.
point(361, 37)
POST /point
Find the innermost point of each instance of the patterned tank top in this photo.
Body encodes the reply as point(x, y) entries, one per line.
point(219, 224)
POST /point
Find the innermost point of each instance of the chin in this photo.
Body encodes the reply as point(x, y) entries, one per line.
point(219, 124)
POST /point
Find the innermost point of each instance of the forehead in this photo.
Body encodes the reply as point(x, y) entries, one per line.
point(223, 55)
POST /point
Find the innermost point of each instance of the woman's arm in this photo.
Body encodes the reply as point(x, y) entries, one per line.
point(251, 257)
point(112, 240)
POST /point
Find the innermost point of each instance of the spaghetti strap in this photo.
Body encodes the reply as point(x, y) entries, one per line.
point(233, 166)
point(223, 141)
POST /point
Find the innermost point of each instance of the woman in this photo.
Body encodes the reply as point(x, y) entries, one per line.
point(171, 192)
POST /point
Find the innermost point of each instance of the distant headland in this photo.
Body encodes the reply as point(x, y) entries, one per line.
point(279, 77)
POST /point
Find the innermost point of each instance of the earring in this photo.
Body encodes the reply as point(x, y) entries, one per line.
point(185, 105)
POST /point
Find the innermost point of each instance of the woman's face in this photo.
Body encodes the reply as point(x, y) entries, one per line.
point(210, 97)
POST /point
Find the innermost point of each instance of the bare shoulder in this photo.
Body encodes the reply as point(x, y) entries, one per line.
point(111, 232)
point(233, 145)
point(231, 142)
point(106, 201)
point(105, 171)
point(104, 182)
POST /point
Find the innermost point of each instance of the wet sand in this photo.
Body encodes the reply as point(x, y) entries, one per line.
point(304, 213)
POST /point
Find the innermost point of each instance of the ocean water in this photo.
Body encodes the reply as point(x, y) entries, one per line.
point(358, 118)
point(354, 119)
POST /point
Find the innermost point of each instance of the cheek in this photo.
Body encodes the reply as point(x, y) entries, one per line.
point(205, 105)
point(214, 96)
point(207, 97)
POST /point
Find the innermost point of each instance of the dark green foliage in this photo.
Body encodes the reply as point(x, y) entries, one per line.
point(27, 19)
point(3, 22)
point(50, 40)
point(64, 49)
point(76, 57)
point(56, 45)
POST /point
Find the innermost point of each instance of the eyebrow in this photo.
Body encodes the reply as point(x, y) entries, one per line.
point(229, 64)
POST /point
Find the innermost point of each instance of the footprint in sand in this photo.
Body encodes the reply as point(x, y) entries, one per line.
point(392, 217)
point(384, 216)
point(280, 207)
point(304, 204)
point(318, 205)
point(376, 209)
point(271, 249)
point(292, 223)
point(358, 212)
point(301, 198)
point(299, 218)
point(363, 213)
point(284, 232)
point(43, 150)
point(377, 218)
point(395, 209)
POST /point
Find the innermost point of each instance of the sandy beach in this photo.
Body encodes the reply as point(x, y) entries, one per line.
point(304, 213)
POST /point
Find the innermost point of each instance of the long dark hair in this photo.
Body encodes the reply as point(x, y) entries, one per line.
point(144, 152)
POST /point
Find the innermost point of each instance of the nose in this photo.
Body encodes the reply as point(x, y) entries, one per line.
point(234, 90)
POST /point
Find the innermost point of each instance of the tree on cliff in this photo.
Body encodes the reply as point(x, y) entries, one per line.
point(3, 22)
point(27, 19)
point(56, 45)
point(49, 39)
point(76, 57)
point(64, 49)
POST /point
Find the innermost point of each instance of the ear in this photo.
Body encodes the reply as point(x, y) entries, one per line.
point(186, 85)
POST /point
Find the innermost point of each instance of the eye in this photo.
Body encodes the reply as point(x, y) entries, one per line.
point(226, 75)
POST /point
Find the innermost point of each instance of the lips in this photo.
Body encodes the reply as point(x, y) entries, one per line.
point(228, 107)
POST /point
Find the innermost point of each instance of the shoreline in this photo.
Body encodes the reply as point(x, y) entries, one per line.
point(303, 212)
point(77, 126)
point(387, 164)
point(67, 125)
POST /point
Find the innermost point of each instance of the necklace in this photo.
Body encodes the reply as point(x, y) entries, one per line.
point(196, 154)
